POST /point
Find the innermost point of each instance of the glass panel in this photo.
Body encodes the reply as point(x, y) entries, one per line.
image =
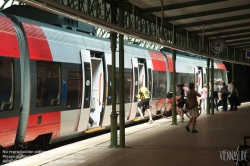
point(136, 83)
point(150, 79)
point(6, 84)
point(74, 88)
point(109, 101)
point(87, 84)
point(127, 85)
point(159, 84)
point(48, 84)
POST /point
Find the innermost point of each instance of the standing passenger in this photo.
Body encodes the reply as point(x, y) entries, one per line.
point(216, 88)
point(180, 96)
point(224, 94)
point(143, 91)
point(204, 97)
point(233, 97)
point(193, 107)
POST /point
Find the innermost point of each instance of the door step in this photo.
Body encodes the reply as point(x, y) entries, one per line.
point(94, 129)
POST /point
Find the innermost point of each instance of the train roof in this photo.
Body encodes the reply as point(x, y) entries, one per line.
point(33, 13)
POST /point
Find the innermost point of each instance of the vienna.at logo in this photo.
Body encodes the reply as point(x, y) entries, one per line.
point(240, 155)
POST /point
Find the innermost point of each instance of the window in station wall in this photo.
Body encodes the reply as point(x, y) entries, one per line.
point(48, 83)
point(6, 83)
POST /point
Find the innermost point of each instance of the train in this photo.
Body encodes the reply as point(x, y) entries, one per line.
point(56, 82)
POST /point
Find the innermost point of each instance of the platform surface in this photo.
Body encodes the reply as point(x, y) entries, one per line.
point(158, 144)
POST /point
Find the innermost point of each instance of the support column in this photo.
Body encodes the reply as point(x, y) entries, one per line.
point(212, 86)
point(113, 115)
point(208, 87)
point(174, 118)
point(121, 77)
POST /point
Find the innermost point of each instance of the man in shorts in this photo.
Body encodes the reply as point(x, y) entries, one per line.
point(145, 98)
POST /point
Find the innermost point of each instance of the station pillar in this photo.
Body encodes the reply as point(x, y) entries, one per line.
point(174, 118)
point(212, 86)
point(208, 87)
point(113, 115)
point(121, 77)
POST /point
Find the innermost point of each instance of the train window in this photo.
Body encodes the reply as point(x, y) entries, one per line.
point(87, 85)
point(127, 85)
point(6, 84)
point(74, 95)
point(184, 78)
point(159, 84)
point(48, 84)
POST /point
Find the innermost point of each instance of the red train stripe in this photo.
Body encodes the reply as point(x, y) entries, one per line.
point(8, 42)
point(8, 129)
point(38, 45)
point(50, 124)
point(158, 60)
point(221, 66)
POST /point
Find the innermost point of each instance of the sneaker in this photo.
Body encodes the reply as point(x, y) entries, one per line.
point(187, 128)
point(150, 121)
point(142, 117)
point(194, 131)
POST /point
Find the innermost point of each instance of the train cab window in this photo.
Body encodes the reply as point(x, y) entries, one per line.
point(48, 84)
point(6, 84)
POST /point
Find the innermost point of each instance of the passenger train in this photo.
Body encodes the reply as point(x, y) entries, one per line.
point(56, 83)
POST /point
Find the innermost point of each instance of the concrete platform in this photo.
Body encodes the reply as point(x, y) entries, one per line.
point(158, 144)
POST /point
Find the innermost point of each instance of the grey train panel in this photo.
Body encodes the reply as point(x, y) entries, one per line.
point(106, 47)
point(93, 44)
point(65, 47)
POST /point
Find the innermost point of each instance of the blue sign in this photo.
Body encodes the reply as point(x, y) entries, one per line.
point(248, 54)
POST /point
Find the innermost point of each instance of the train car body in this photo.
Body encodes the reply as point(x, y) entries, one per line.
point(62, 80)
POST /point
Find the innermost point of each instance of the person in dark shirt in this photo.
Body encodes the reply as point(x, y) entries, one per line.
point(180, 101)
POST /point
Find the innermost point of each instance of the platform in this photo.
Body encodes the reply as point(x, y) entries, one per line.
point(158, 144)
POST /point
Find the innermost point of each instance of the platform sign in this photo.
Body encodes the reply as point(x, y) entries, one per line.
point(248, 54)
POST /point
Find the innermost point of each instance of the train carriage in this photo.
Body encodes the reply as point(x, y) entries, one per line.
point(62, 80)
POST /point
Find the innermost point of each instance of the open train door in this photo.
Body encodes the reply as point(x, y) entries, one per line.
point(198, 78)
point(149, 76)
point(135, 75)
point(86, 90)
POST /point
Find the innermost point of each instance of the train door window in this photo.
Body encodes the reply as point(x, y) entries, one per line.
point(6, 84)
point(127, 84)
point(48, 84)
point(109, 101)
point(74, 95)
point(87, 84)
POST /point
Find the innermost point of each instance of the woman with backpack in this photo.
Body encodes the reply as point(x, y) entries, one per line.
point(192, 106)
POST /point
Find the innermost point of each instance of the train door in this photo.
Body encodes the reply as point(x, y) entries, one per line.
point(97, 92)
point(86, 90)
point(149, 76)
point(135, 78)
point(204, 76)
point(198, 78)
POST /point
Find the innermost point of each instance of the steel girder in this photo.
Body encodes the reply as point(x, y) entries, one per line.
point(138, 20)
